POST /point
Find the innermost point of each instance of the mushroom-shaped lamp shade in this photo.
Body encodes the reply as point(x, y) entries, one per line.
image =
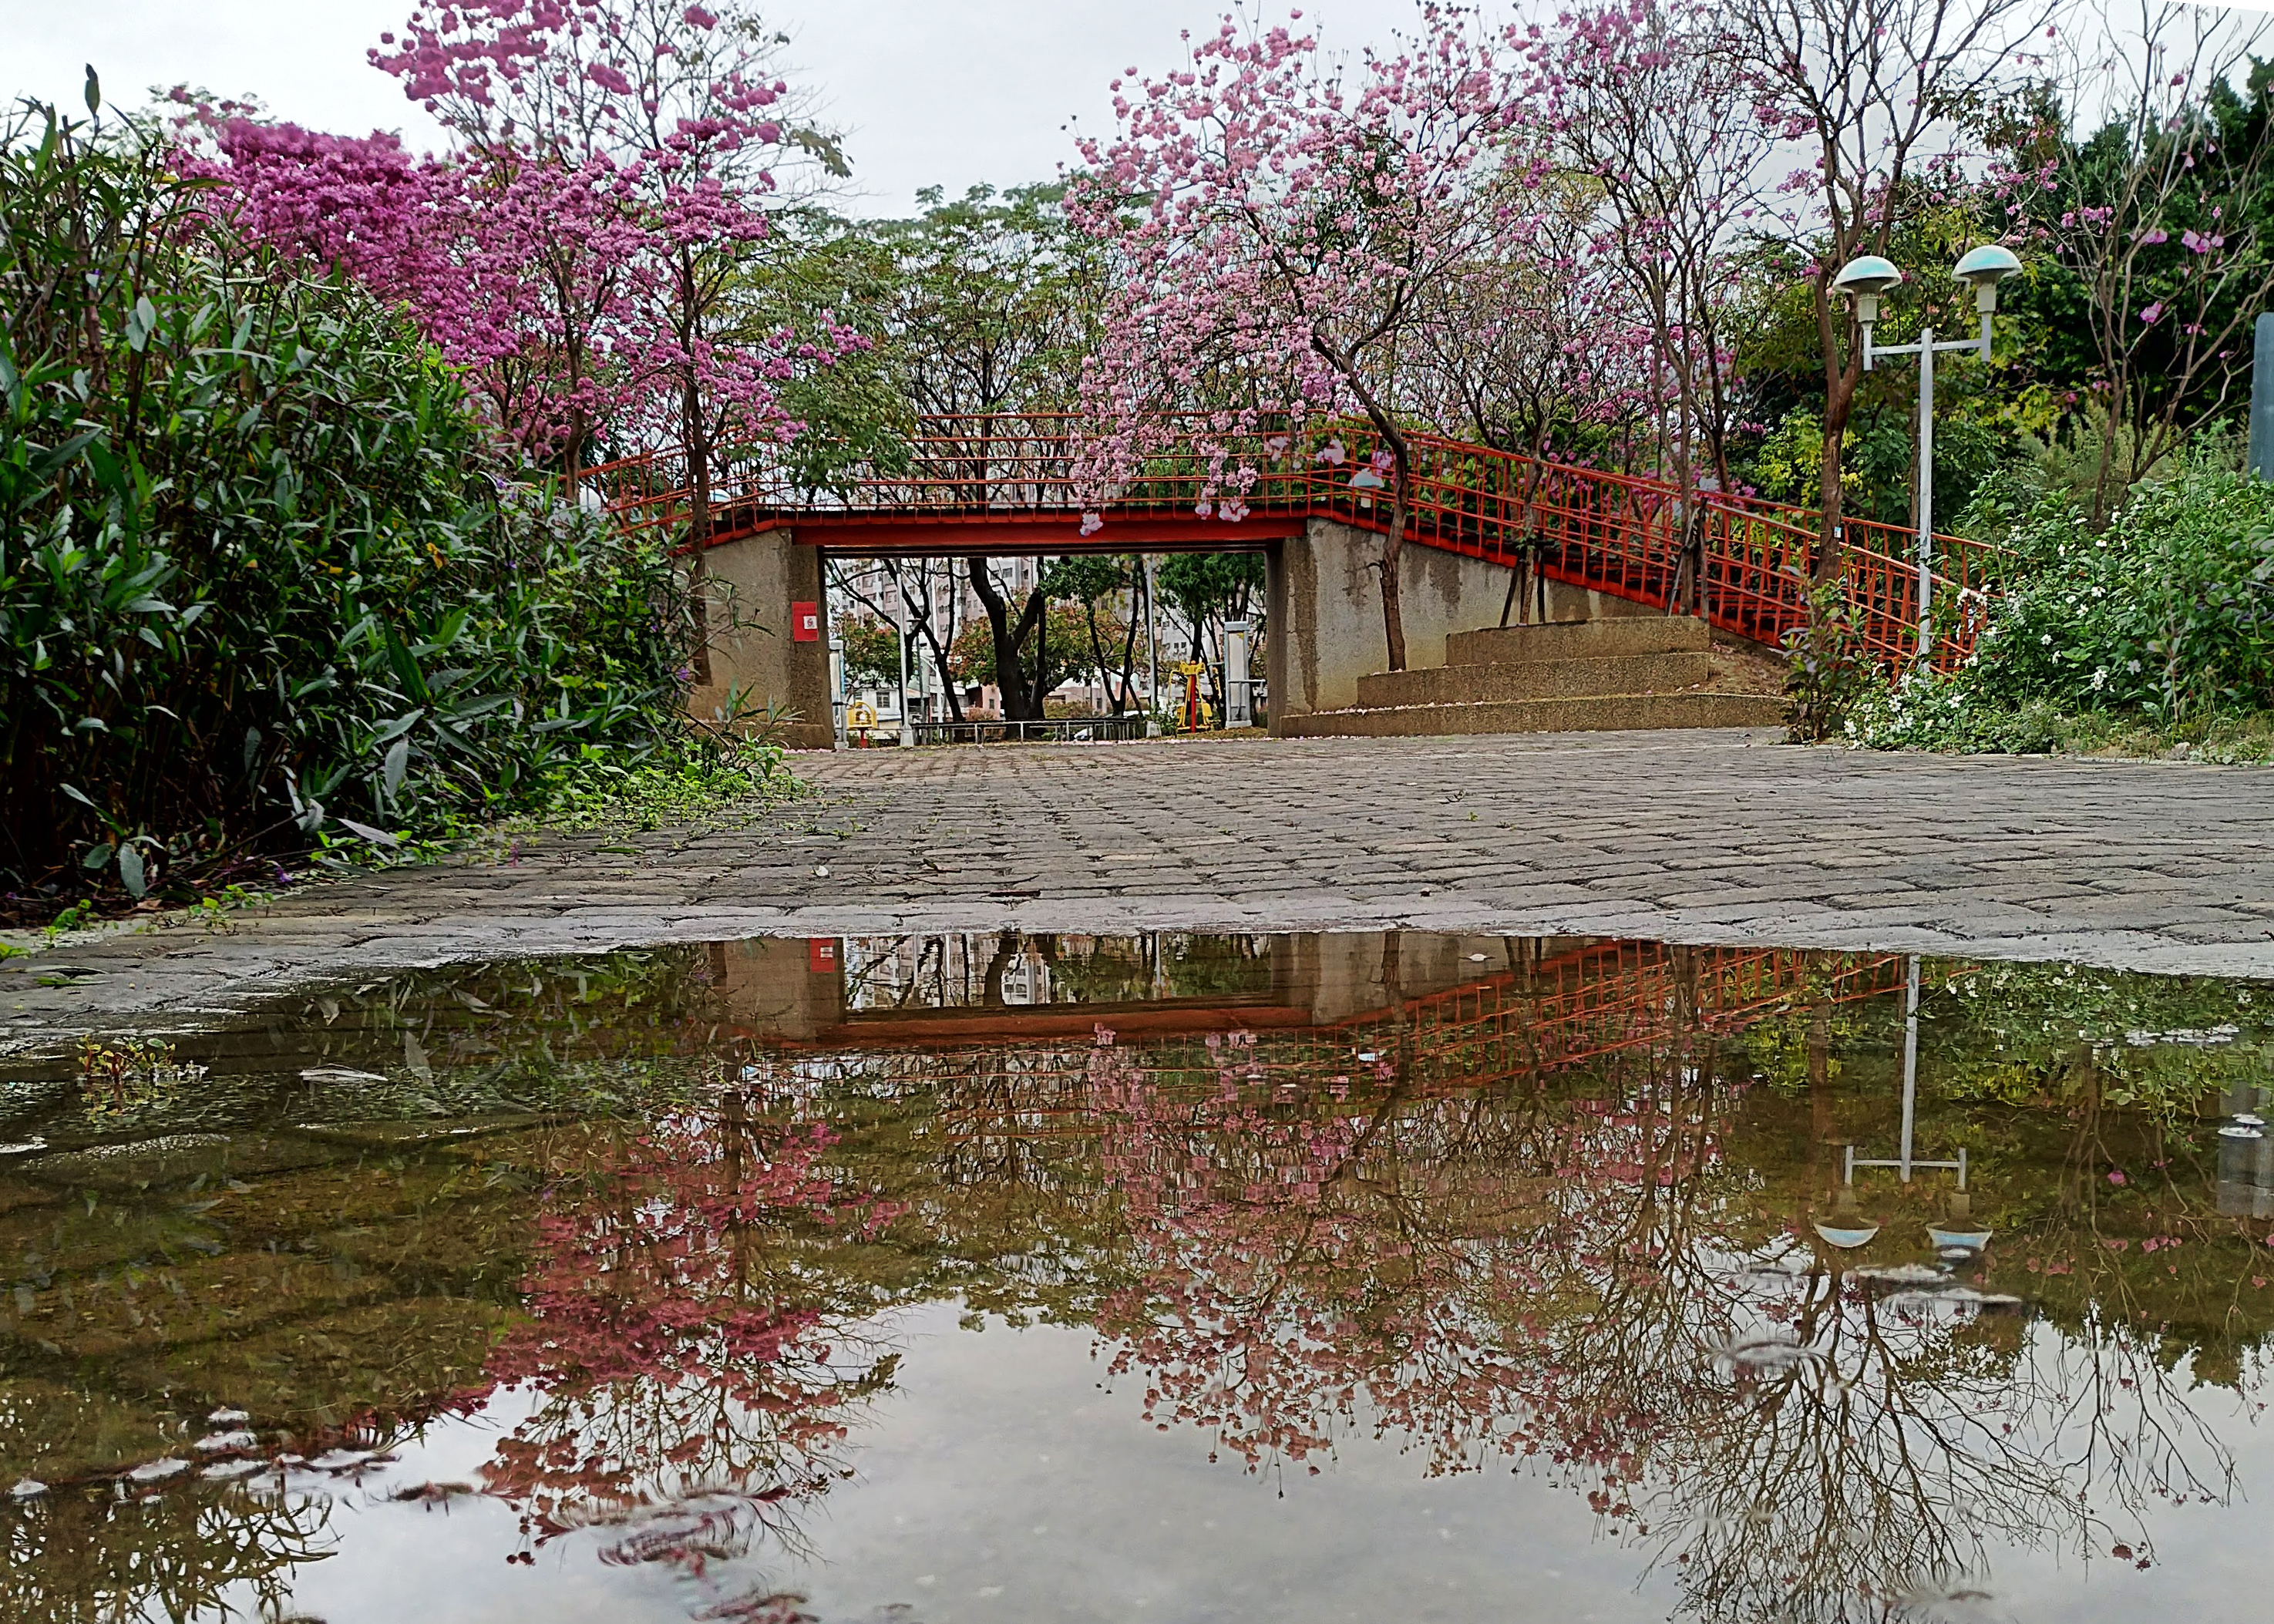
point(1989, 263)
point(1866, 277)
point(1943, 1238)
point(1983, 268)
point(1867, 274)
point(1846, 1237)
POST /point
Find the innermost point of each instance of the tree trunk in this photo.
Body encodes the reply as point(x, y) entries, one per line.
point(1838, 406)
point(698, 518)
point(1393, 550)
point(1097, 653)
point(1019, 704)
point(1129, 644)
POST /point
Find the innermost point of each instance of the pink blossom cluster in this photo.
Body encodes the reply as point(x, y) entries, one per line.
point(1277, 221)
point(573, 254)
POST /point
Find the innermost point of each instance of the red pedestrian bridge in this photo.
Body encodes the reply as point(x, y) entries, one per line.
point(1006, 484)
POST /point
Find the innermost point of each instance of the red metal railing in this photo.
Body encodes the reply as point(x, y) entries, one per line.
point(1588, 1004)
point(1611, 533)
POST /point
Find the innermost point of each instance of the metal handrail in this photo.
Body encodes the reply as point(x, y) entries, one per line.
point(1614, 533)
point(1063, 729)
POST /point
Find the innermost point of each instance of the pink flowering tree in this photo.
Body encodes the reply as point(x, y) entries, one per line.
point(1282, 226)
point(1651, 102)
point(2130, 178)
point(1531, 349)
point(659, 118)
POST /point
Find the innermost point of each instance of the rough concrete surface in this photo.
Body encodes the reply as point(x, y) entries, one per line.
point(1688, 836)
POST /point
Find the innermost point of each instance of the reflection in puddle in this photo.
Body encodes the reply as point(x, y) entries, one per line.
point(1163, 1277)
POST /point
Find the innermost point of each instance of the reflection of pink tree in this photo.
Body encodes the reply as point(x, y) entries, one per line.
point(1582, 1283)
point(1418, 1262)
point(694, 1377)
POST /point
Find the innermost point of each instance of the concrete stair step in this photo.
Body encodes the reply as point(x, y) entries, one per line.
point(1623, 636)
point(1535, 679)
point(1597, 714)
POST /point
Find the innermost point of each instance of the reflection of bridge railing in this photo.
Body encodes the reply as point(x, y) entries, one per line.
point(1511, 1026)
point(1612, 533)
point(1627, 995)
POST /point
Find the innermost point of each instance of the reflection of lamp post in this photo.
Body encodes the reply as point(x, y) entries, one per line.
point(1904, 1160)
point(1849, 1228)
point(1864, 279)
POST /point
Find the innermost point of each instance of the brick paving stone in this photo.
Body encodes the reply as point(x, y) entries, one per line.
point(1691, 836)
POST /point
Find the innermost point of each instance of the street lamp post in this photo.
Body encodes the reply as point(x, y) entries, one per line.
point(1864, 279)
point(900, 593)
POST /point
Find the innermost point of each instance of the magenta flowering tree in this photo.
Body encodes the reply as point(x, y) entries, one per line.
point(629, 80)
point(578, 241)
point(516, 272)
point(582, 252)
point(394, 221)
point(1281, 227)
point(665, 120)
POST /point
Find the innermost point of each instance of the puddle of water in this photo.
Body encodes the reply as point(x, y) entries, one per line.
point(1163, 1278)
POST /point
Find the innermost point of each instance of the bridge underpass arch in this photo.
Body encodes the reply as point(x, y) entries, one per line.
point(1322, 600)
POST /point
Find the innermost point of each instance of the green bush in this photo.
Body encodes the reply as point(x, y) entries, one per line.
point(2169, 612)
point(262, 578)
point(2156, 632)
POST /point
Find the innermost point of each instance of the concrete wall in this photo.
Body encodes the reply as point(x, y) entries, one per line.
point(752, 584)
point(779, 986)
point(1324, 595)
point(1346, 975)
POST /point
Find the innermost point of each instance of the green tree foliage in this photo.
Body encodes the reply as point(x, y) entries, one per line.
point(1064, 645)
point(261, 577)
point(994, 300)
point(1096, 583)
point(814, 268)
point(872, 651)
point(1205, 589)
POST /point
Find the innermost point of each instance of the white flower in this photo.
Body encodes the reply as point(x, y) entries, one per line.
point(2134, 667)
point(2100, 678)
point(2047, 640)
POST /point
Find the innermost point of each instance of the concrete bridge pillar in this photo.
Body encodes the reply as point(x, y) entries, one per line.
point(757, 656)
point(1323, 593)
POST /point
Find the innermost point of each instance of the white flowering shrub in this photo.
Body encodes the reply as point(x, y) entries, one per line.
point(1929, 712)
point(2168, 616)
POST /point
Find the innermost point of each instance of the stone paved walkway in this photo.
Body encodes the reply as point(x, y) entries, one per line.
point(1699, 837)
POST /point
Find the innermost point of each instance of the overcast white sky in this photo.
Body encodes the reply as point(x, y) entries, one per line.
point(929, 91)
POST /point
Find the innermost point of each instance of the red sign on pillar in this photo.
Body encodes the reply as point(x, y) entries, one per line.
point(805, 622)
point(820, 954)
